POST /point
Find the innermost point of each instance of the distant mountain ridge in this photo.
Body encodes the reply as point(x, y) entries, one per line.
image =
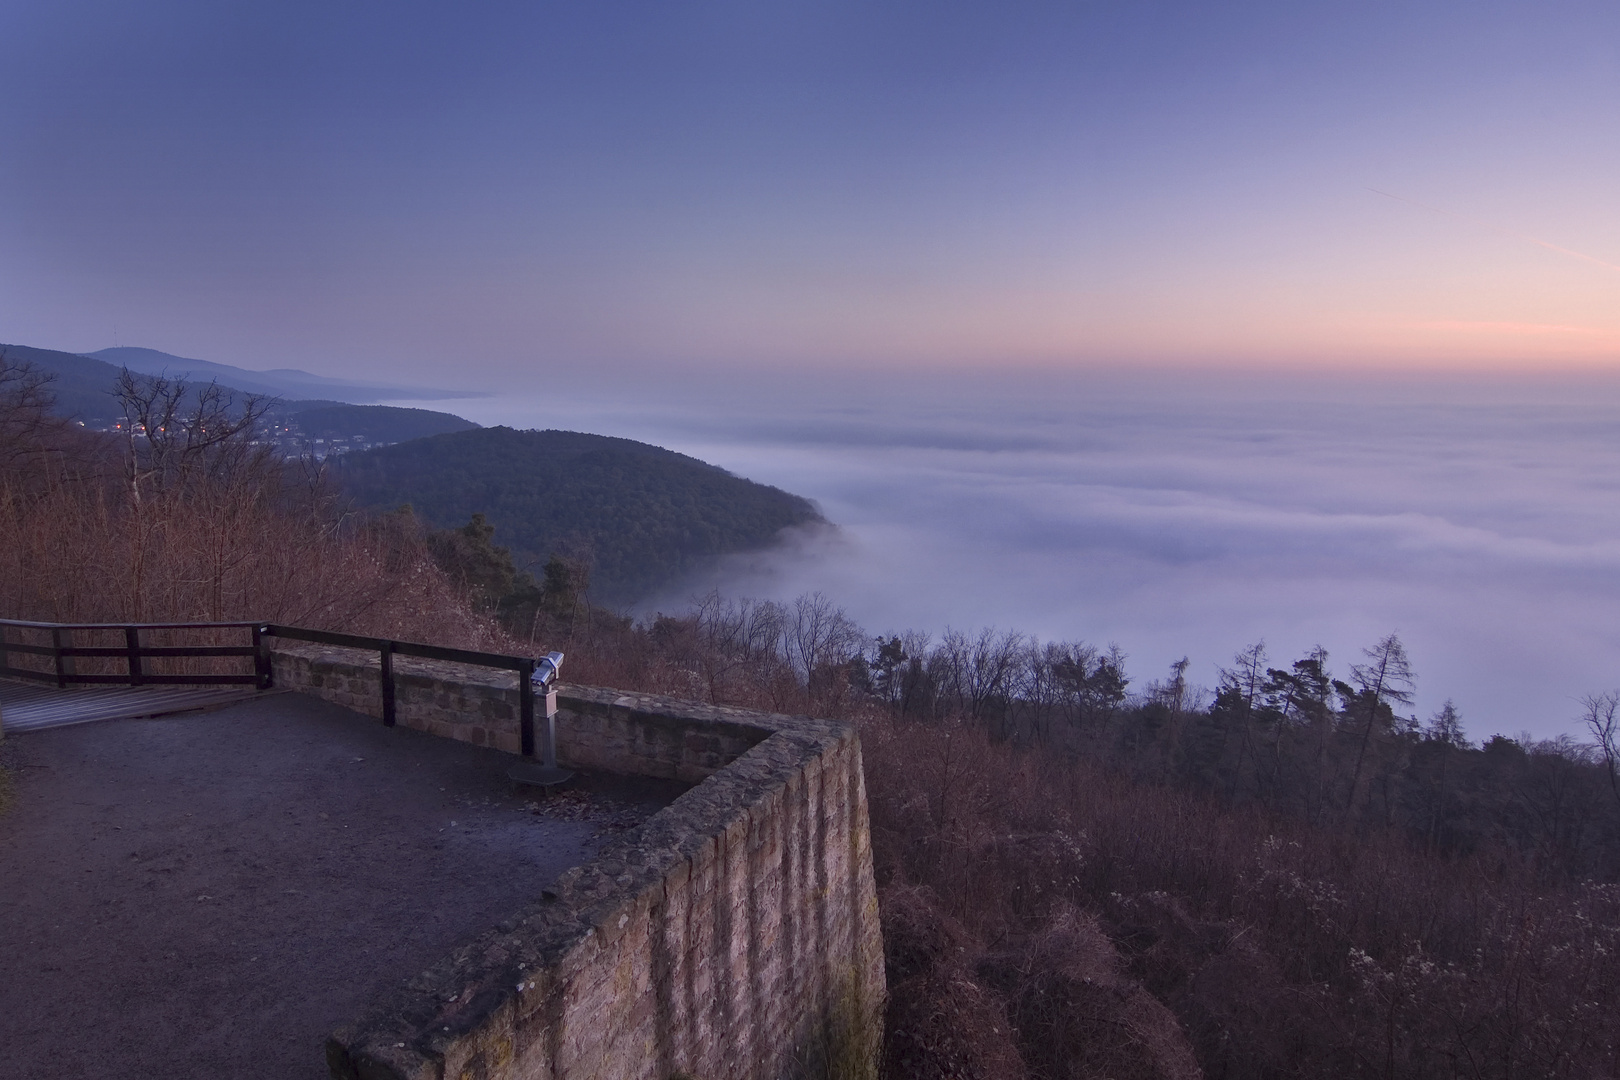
point(646, 516)
point(376, 423)
point(279, 382)
point(83, 388)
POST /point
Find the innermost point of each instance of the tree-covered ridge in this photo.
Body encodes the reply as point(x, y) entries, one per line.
point(374, 423)
point(642, 516)
point(85, 389)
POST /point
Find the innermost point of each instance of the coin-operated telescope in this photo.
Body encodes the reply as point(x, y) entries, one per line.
point(546, 670)
point(542, 691)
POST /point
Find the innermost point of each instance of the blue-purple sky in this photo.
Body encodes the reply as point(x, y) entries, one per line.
point(365, 188)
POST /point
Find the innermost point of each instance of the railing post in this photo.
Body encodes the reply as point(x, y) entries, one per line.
point(261, 657)
point(5, 659)
point(526, 706)
point(62, 638)
point(132, 653)
point(388, 683)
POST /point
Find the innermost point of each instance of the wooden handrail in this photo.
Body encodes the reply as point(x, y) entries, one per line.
point(63, 654)
point(63, 672)
point(28, 624)
point(386, 650)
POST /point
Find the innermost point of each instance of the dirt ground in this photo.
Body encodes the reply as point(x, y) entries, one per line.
point(209, 895)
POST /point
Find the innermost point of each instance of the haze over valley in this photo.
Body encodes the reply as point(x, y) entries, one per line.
point(1182, 515)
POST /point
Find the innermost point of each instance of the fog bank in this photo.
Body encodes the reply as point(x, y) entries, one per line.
point(1178, 516)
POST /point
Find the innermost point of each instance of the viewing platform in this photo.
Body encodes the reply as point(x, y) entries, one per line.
point(340, 874)
point(212, 894)
point(30, 706)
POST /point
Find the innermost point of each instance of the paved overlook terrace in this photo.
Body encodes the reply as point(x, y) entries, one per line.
point(212, 894)
point(222, 893)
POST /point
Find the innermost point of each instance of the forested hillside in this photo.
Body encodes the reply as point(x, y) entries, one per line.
point(640, 516)
point(375, 423)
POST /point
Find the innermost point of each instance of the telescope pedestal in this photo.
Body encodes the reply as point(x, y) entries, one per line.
point(535, 774)
point(546, 772)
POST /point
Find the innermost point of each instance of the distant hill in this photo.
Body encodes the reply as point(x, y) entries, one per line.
point(647, 515)
point(290, 383)
point(83, 385)
point(83, 388)
point(376, 423)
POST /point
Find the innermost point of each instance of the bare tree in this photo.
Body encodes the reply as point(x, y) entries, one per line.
point(1601, 716)
point(1172, 693)
point(175, 433)
point(736, 638)
point(994, 668)
point(1556, 790)
point(196, 447)
point(1243, 683)
point(818, 636)
point(917, 690)
point(1044, 691)
point(25, 403)
point(1385, 678)
point(30, 433)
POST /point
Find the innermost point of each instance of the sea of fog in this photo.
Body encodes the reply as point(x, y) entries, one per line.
point(1180, 515)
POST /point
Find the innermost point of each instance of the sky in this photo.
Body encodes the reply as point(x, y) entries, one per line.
point(514, 189)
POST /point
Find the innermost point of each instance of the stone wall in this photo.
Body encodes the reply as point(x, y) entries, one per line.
point(733, 936)
point(476, 705)
point(596, 729)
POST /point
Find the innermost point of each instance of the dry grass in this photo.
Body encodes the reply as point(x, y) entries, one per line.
point(80, 550)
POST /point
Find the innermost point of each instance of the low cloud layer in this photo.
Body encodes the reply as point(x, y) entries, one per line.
point(1184, 521)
